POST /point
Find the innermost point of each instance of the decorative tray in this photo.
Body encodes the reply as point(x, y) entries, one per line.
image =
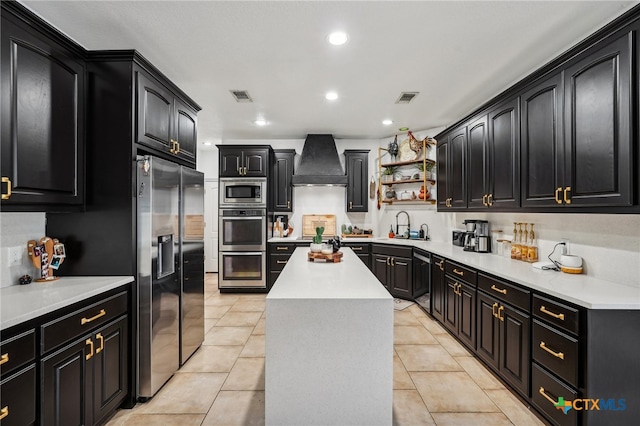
point(330, 258)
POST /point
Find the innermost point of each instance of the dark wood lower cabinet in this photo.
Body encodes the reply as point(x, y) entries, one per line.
point(395, 273)
point(437, 288)
point(459, 311)
point(18, 398)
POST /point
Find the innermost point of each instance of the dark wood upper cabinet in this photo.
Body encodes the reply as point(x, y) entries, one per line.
point(243, 161)
point(452, 181)
point(186, 119)
point(478, 155)
point(541, 131)
point(357, 168)
point(442, 158)
point(598, 153)
point(503, 172)
point(281, 180)
point(43, 92)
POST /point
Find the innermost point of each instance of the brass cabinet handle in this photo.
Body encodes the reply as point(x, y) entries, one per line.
point(90, 354)
point(388, 259)
point(393, 261)
point(461, 273)
point(501, 309)
point(5, 196)
point(281, 262)
point(350, 205)
point(558, 200)
point(556, 354)
point(456, 289)
point(84, 321)
point(177, 149)
point(441, 265)
point(282, 248)
point(567, 199)
point(173, 147)
point(494, 288)
point(245, 171)
point(547, 397)
point(557, 316)
point(288, 204)
point(493, 309)
point(484, 200)
point(356, 248)
point(101, 338)
point(4, 412)
point(490, 200)
point(4, 358)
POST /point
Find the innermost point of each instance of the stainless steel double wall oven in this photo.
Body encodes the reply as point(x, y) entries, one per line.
point(243, 233)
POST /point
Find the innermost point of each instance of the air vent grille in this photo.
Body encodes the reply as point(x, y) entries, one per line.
point(406, 97)
point(241, 96)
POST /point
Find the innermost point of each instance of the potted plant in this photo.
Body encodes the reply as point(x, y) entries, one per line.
point(422, 169)
point(388, 174)
point(316, 244)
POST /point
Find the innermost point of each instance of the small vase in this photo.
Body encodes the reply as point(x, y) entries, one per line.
point(316, 248)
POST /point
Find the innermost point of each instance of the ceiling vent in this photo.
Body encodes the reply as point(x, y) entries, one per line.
point(406, 97)
point(241, 95)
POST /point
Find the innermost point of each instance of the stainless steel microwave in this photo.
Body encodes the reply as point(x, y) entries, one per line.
point(243, 192)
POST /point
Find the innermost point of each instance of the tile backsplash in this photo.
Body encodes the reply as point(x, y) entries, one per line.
point(15, 230)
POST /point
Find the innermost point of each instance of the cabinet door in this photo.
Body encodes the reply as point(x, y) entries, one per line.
point(380, 269)
point(437, 288)
point(42, 121)
point(477, 187)
point(357, 165)
point(515, 348)
point(457, 182)
point(451, 305)
point(18, 398)
point(504, 156)
point(281, 180)
point(230, 161)
point(155, 114)
point(467, 319)
point(541, 158)
point(256, 162)
point(66, 385)
point(598, 153)
point(110, 368)
point(442, 157)
point(186, 134)
point(401, 277)
point(488, 328)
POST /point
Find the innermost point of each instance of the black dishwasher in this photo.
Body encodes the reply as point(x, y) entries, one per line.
point(422, 278)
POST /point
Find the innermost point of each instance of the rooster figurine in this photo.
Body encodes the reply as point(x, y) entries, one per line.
point(415, 144)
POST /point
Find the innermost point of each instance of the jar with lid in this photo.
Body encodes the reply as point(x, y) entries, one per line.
point(496, 238)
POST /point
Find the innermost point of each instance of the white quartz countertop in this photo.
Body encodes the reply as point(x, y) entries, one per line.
point(348, 279)
point(21, 303)
point(583, 290)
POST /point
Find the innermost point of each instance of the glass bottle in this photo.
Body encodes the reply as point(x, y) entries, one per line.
point(524, 247)
point(514, 243)
point(532, 252)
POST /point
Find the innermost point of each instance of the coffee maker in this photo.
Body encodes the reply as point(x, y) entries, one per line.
point(476, 236)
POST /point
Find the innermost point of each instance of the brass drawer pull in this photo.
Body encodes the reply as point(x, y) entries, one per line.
point(484, 200)
point(558, 191)
point(547, 397)
point(388, 259)
point(501, 309)
point(4, 412)
point(493, 309)
point(90, 354)
point(7, 195)
point(461, 273)
point(84, 321)
point(177, 149)
point(490, 200)
point(282, 248)
point(101, 338)
point(441, 265)
point(350, 205)
point(557, 316)
point(393, 261)
point(503, 291)
point(281, 262)
point(4, 359)
point(567, 199)
point(556, 354)
point(288, 204)
point(356, 248)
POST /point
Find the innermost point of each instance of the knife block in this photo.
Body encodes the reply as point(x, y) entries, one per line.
point(46, 255)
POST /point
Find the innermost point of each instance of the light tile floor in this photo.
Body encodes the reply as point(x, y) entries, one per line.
point(436, 380)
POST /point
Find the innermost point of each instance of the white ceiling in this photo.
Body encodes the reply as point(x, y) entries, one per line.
point(457, 54)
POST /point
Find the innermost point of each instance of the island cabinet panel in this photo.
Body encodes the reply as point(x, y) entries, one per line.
point(282, 190)
point(43, 105)
point(357, 170)
point(437, 288)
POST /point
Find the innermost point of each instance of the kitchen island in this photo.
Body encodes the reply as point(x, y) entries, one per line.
point(329, 344)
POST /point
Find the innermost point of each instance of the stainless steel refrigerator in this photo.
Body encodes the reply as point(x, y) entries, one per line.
point(170, 247)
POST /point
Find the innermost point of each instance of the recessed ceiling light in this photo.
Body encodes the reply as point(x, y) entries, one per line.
point(208, 143)
point(338, 38)
point(331, 96)
point(387, 122)
point(260, 122)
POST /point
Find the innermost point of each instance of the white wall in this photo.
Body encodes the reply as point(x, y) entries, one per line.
point(15, 230)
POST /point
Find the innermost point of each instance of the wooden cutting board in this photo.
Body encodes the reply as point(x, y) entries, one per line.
point(311, 221)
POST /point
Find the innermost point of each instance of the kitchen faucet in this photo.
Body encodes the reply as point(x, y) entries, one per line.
point(408, 224)
point(426, 235)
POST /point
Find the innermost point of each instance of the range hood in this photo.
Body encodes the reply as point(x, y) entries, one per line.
point(319, 163)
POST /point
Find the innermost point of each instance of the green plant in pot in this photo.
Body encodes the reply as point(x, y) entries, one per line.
point(388, 173)
point(316, 244)
point(424, 169)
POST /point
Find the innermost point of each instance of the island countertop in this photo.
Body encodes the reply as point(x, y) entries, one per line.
point(20, 303)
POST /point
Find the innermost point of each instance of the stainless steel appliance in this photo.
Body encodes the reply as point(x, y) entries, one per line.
point(476, 236)
point(244, 192)
point(170, 275)
point(245, 269)
point(242, 229)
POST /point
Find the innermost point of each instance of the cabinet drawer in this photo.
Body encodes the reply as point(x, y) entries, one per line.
point(358, 249)
point(60, 331)
point(392, 251)
point(18, 398)
point(278, 261)
point(505, 292)
point(461, 273)
point(545, 392)
point(281, 248)
point(17, 351)
point(558, 314)
point(556, 351)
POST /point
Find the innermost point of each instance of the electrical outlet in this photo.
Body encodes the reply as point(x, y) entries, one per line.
point(565, 248)
point(14, 255)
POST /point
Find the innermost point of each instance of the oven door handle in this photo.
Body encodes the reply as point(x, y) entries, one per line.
point(242, 217)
